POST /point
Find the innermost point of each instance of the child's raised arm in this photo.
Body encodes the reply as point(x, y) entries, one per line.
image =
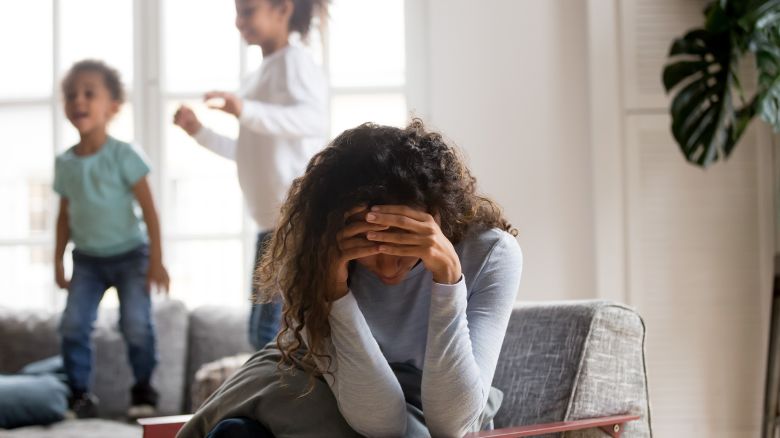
point(157, 273)
point(61, 241)
point(221, 145)
point(305, 116)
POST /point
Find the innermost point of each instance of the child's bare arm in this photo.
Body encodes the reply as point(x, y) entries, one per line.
point(157, 273)
point(62, 236)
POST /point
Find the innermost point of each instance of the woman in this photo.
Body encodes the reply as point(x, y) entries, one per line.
point(397, 280)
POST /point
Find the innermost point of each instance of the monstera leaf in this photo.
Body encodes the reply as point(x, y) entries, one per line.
point(768, 62)
point(766, 46)
point(709, 111)
point(705, 121)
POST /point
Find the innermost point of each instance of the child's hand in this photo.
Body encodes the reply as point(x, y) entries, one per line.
point(187, 120)
point(59, 276)
point(227, 102)
point(158, 276)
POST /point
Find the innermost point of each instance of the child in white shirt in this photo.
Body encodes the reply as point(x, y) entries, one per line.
point(282, 112)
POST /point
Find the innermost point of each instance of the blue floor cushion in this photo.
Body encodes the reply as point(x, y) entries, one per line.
point(32, 399)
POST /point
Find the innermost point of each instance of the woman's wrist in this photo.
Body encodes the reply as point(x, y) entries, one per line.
point(450, 275)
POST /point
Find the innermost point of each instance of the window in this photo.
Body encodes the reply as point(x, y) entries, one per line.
point(165, 61)
point(367, 74)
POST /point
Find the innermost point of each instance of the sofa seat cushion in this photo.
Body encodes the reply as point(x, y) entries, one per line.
point(91, 428)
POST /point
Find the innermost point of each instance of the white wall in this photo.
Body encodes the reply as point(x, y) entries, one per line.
point(507, 81)
point(559, 107)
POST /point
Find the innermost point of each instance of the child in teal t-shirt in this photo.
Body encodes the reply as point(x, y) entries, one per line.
point(102, 183)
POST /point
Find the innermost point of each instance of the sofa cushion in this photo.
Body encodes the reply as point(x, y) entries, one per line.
point(27, 336)
point(216, 332)
point(212, 375)
point(91, 428)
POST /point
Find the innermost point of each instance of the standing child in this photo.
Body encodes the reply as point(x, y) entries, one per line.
point(282, 112)
point(101, 182)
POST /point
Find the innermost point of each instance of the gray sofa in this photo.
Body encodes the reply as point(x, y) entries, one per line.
point(560, 361)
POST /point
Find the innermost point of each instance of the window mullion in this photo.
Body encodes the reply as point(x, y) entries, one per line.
point(56, 120)
point(146, 57)
point(416, 53)
point(178, 95)
point(247, 243)
point(372, 89)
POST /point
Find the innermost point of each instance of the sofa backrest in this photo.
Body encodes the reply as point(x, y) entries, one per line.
point(215, 332)
point(573, 360)
point(29, 336)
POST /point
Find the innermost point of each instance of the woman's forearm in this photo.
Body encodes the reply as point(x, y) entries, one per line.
point(466, 329)
point(453, 392)
point(368, 393)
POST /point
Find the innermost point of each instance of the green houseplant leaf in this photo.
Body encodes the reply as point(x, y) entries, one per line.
point(709, 111)
point(705, 122)
point(766, 46)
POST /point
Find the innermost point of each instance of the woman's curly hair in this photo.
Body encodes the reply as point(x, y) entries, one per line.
point(367, 165)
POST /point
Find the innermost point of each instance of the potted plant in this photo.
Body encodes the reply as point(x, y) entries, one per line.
point(710, 111)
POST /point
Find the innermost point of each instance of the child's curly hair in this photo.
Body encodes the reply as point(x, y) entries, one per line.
point(367, 165)
point(111, 77)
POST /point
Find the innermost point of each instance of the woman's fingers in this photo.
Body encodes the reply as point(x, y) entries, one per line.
point(355, 210)
point(396, 237)
point(359, 252)
point(403, 210)
point(403, 250)
point(355, 243)
point(353, 229)
point(399, 221)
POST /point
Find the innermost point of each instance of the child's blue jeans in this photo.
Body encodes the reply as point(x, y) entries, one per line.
point(92, 276)
point(265, 318)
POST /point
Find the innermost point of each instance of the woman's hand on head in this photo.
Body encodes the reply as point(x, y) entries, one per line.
point(223, 101)
point(187, 120)
point(415, 233)
point(352, 244)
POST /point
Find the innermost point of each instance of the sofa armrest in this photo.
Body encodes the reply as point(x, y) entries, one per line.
point(163, 427)
point(573, 360)
point(611, 425)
